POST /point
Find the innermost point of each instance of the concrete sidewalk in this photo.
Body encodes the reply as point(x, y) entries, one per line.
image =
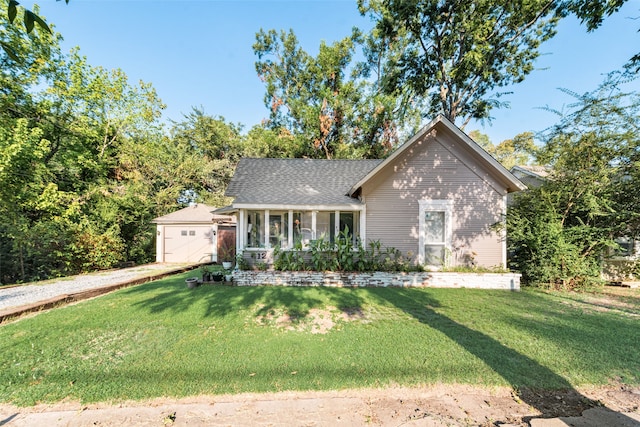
point(437, 406)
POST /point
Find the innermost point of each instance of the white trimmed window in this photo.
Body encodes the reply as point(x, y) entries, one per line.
point(278, 229)
point(435, 232)
point(255, 229)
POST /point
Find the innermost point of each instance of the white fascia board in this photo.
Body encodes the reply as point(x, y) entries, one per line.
point(276, 207)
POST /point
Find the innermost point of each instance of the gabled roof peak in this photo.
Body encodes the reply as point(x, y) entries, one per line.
point(511, 182)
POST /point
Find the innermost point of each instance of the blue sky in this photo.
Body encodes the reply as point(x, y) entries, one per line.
point(198, 53)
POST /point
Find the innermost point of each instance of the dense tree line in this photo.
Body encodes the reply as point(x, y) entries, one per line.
point(86, 162)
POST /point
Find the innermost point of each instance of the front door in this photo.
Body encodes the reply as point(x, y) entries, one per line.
point(226, 243)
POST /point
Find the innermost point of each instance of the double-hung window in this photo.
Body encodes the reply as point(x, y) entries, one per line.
point(435, 232)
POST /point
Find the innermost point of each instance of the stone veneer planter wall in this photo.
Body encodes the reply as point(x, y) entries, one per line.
point(506, 281)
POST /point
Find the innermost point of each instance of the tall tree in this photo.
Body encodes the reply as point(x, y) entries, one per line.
point(66, 202)
point(457, 55)
point(327, 99)
point(220, 146)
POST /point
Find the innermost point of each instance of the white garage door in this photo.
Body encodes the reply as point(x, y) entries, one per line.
point(193, 243)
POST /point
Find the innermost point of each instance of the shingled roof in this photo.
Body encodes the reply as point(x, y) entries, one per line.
point(198, 213)
point(296, 181)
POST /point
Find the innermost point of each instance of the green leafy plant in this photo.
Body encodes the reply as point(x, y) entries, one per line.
point(241, 262)
point(343, 256)
point(322, 258)
point(344, 251)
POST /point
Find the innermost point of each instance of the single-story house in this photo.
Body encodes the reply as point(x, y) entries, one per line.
point(195, 235)
point(435, 198)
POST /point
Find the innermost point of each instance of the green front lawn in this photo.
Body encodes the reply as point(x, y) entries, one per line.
point(162, 339)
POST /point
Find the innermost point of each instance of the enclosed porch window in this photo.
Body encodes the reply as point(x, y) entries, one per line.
point(255, 229)
point(278, 229)
point(285, 229)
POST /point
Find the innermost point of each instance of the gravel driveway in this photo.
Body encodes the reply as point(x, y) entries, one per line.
point(18, 296)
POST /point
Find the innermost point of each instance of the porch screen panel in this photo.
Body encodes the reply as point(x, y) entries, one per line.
point(325, 223)
point(349, 222)
point(255, 229)
point(278, 229)
point(302, 232)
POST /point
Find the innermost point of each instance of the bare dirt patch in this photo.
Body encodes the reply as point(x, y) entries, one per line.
point(315, 321)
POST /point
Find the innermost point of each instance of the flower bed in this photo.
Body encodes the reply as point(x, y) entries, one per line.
point(506, 281)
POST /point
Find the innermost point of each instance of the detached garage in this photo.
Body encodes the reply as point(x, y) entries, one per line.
point(192, 235)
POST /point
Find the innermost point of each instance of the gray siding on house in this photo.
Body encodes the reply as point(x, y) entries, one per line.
point(438, 167)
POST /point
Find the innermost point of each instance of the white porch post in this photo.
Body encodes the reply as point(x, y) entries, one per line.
point(336, 227)
point(363, 226)
point(290, 230)
point(214, 243)
point(266, 229)
point(313, 225)
point(240, 231)
point(503, 232)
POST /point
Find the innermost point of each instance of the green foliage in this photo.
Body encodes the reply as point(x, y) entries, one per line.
point(241, 262)
point(521, 150)
point(591, 12)
point(322, 258)
point(85, 165)
point(557, 233)
point(542, 249)
point(289, 260)
point(344, 253)
point(456, 55)
point(328, 100)
point(29, 19)
point(214, 148)
point(322, 255)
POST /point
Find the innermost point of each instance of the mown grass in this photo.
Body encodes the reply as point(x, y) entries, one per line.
point(162, 339)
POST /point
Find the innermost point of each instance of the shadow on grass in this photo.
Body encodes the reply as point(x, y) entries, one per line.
point(220, 300)
point(557, 398)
